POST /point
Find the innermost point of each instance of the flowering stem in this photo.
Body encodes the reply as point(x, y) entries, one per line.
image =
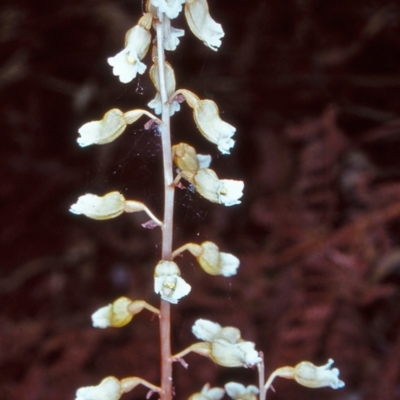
point(165, 308)
point(261, 377)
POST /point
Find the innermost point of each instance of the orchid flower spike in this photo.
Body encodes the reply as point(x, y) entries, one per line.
point(127, 63)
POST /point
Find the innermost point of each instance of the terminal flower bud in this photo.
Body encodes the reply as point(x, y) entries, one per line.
point(186, 158)
point(208, 121)
point(127, 63)
point(227, 347)
point(171, 8)
point(208, 393)
point(119, 313)
point(170, 82)
point(168, 282)
point(202, 25)
point(221, 191)
point(109, 206)
point(307, 374)
point(237, 391)
point(109, 389)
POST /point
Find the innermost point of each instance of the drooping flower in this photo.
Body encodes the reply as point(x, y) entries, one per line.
point(109, 389)
point(110, 127)
point(208, 121)
point(227, 348)
point(170, 84)
point(202, 25)
point(171, 8)
point(127, 63)
point(211, 260)
point(221, 191)
point(208, 393)
point(307, 374)
point(237, 391)
point(168, 282)
point(109, 206)
point(119, 313)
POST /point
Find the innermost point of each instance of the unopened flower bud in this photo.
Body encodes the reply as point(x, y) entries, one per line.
point(168, 282)
point(127, 63)
point(108, 389)
point(224, 191)
point(208, 393)
point(105, 207)
point(202, 25)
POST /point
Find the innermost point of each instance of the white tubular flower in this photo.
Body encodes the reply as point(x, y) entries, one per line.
point(224, 191)
point(105, 131)
point(108, 389)
point(307, 374)
point(127, 63)
point(227, 347)
point(208, 121)
point(208, 393)
point(170, 87)
point(171, 35)
point(171, 8)
point(237, 391)
point(214, 262)
point(168, 282)
point(202, 25)
point(106, 207)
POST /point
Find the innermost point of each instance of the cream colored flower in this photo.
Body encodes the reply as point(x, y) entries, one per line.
point(105, 131)
point(224, 191)
point(110, 127)
point(227, 347)
point(115, 314)
point(208, 121)
point(106, 207)
point(127, 63)
point(202, 25)
point(171, 8)
point(215, 262)
point(208, 393)
point(108, 389)
point(168, 282)
point(237, 391)
point(171, 35)
point(186, 158)
point(309, 375)
point(170, 82)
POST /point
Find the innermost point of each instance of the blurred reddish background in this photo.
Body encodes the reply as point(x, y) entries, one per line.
point(313, 89)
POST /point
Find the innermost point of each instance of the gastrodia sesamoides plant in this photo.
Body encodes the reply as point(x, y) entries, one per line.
point(144, 49)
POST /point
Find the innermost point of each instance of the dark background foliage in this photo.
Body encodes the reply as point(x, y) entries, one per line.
point(313, 89)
